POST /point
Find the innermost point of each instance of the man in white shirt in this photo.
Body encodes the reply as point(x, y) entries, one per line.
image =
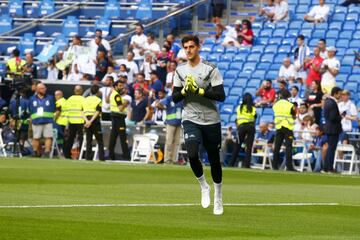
point(148, 65)
point(318, 13)
point(322, 48)
point(151, 45)
point(281, 11)
point(287, 71)
point(301, 53)
point(170, 78)
point(348, 112)
point(75, 75)
point(295, 96)
point(137, 42)
point(130, 65)
point(94, 43)
point(105, 97)
point(267, 12)
point(231, 35)
point(329, 69)
point(110, 72)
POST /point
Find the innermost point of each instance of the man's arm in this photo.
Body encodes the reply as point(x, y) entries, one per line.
point(216, 93)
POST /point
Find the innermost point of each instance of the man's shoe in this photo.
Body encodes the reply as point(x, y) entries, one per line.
point(205, 197)
point(218, 207)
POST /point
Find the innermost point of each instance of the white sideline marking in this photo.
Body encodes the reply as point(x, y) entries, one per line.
point(165, 205)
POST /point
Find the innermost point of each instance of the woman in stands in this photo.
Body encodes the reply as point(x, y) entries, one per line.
point(246, 116)
point(315, 101)
point(246, 34)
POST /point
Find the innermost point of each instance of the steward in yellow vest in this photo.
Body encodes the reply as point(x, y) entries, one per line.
point(60, 117)
point(246, 116)
point(285, 114)
point(74, 110)
point(15, 65)
point(92, 114)
point(118, 125)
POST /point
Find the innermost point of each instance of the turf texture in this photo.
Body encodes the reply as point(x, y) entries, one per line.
point(39, 182)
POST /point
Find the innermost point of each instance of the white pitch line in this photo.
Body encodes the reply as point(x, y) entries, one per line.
point(164, 205)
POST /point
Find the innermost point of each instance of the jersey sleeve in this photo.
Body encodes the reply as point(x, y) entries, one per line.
point(216, 79)
point(177, 81)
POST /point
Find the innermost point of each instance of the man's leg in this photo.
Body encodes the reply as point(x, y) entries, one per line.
point(250, 135)
point(123, 139)
point(289, 137)
point(48, 135)
point(279, 138)
point(330, 154)
point(99, 138)
point(70, 141)
point(192, 134)
point(89, 134)
point(175, 151)
point(80, 133)
point(241, 136)
point(169, 144)
point(113, 137)
point(211, 136)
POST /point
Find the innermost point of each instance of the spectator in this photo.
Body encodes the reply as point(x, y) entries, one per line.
point(319, 148)
point(105, 97)
point(307, 127)
point(174, 47)
point(138, 107)
point(329, 69)
point(123, 71)
point(99, 43)
point(169, 77)
point(246, 34)
point(75, 75)
point(295, 96)
point(348, 113)
point(155, 84)
point(98, 47)
point(281, 11)
point(30, 68)
point(141, 84)
point(332, 127)
point(318, 14)
point(322, 48)
point(53, 72)
point(131, 65)
point(282, 87)
point(217, 10)
point(267, 13)
point(127, 98)
point(231, 35)
point(101, 65)
point(148, 65)
point(14, 65)
point(303, 111)
point(315, 101)
point(181, 56)
point(154, 114)
point(110, 72)
point(265, 133)
point(287, 71)
point(162, 64)
point(59, 56)
point(41, 110)
point(266, 94)
point(300, 54)
point(137, 42)
point(151, 45)
point(314, 66)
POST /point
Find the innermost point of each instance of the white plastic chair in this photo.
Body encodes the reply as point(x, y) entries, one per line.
point(55, 145)
point(143, 148)
point(345, 153)
point(95, 149)
point(264, 153)
point(2, 145)
point(303, 156)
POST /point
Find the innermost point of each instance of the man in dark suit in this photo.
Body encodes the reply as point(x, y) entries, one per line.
point(332, 126)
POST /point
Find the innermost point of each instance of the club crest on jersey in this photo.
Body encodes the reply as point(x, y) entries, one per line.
point(47, 103)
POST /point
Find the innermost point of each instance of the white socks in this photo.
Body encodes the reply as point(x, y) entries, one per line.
point(218, 205)
point(203, 184)
point(205, 195)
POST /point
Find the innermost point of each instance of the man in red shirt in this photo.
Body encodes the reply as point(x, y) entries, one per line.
point(141, 83)
point(266, 94)
point(313, 65)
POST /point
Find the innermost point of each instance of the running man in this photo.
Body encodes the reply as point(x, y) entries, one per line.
point(200, 84)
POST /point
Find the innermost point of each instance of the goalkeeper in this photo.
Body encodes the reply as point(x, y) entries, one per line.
point(200, 84)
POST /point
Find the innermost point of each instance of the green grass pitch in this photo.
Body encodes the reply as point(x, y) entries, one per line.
point(29, 182)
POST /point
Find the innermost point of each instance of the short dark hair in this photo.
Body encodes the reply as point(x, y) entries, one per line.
point(335, 90)
point(268, 80)
point(304, 104)
point(94, 89)
point(296, 87)
point(140, 25)
point(98, 30)
point(142, 74)
point(322, 40)
point(189, 38)
point(301, 37)
point(151, 35)
point(284, 94)
point(110, 77)
point(140, 90)
point(16, 52)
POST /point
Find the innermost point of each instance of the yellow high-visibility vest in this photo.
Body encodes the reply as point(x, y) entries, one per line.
point(11, 63)
point(90, 104)
point(283, 116)
point(114, 108)
point(74, 109)
point(244, 116)
point(62, 119)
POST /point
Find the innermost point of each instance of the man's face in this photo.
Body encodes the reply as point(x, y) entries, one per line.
point(299, 42)
point(140, 78)
point(287, 62)
point(138, 30)
point(302, 109)
point(41, 89)
point(263, 128)
point(28, 58)
point(153, 77)
point(267, 85)
point(294, 92)
point(58, 95)
point(107, 82)
point(161, 94)
point(137, 95)
point(110, 70)
point(270, 3)
point(316, 52)
point(130, 56)
point(331, 54)
point(120, 87)
point(98, 34)
point(150, 40)
point(344, 97)
point(172, 66)
point(321, 2)
point(191, 50)
point(321, 45)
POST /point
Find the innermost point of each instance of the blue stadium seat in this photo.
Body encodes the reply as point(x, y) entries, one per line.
point(354, 43)
point(227, 57)
point(241, 82)
point(341, 9)
point(249, 67)
point(218, 49)
point(352, 17)
point(103, 24)
point(204, 55)
point(266, 33)
point(214, 57)
point(292, 33)
point(351, 86)
point(342, 43)
point(356, 35)
point(354, 78)
point(288, 41)
point(269, 57)
point(236, 91)
point(302, 9)
point(210, 41)
point(240, 57)
point(341, 78)
point(263, 66)
point(6, 23)
point(260, 74)
point(268, 111)
point(269, 25)
point(321, 26)
point(225, 117)
point(46, 7)
point(279, 58)
point(348, 60)
point(345, 69)
point(257, 49)
point(332, 34)
point(236, 66)
point(274, 40)
point(319, 34)
point(227, 108)
point(231, 74)
point(112, 9)
point(244, 74)
point(335, 26)
point(308, 25)
point(250, 90)
point(341, 51)
point(231, 49)
point(338, 17)
point(70, 26)
point(271, 49)
point(282, 25)
point(349, 25)
point(354, 10)
point(275, 66)
point(244, 49)
point(346, 34)
point(306, 32)
point(257, 25)
point(207, 47)
point(262, 40)
point(254, 83)
point(273, 74)
point(356, 71)
point(228, 82)
point(16, 8)
point(279, 33)
point(223, 65)
point(27, 43)
point(266, 118)
point(254, 57)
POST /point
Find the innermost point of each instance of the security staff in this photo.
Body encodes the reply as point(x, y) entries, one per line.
point(92, 114)
point(284, 123)
point(15, 64)
point(246, 115)
point(118, 125)
point(60, 116)
point(74, 108)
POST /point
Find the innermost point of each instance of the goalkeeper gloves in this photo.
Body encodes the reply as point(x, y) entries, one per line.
point(186, 89)
point(194, 87)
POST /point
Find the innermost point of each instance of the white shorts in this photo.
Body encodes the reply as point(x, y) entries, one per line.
point(42, 130)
